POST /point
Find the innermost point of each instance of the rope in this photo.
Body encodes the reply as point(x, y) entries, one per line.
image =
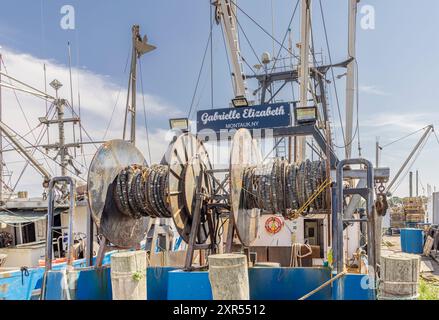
point(310, 200)
point(24, 272)
point(338, 276)
point(296, 256)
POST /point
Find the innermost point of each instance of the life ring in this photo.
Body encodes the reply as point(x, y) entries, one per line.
point(273, 225)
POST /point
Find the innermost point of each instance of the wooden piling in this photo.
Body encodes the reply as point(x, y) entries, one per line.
point(128, 275)
point(228, 275)
point(399, 276)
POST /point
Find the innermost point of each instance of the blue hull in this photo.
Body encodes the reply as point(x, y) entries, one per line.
point(20, 285)
point(166, 283)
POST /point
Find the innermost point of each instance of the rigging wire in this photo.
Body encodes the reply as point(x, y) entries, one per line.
point(20, 106)
point(81, 141)
point(346, 143)
point(412, 163)
point(71, 94)
point(404, 137)
point(332, 71)
point(40, 138)
point(117, 98)
point(5, 148)
point(260, 27)
point(79, 96)
point(285, 36)
point(85, 131)
point(56, 162)
point(248, 40)
point(144, 111)
point(199, 74)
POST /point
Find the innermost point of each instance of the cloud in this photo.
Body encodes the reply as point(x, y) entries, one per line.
point(372, 90)
point(408, 121)
point(98, 94)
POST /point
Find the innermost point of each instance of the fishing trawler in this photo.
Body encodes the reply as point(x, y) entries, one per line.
point(295, 212)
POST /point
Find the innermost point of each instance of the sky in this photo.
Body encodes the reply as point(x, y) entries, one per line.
point(396, 62)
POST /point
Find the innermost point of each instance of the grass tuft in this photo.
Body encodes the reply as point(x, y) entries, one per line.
point(428, 290)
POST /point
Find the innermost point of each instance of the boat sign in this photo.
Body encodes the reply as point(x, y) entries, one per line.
point(252, 117)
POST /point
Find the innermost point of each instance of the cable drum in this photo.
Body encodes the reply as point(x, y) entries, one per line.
point(142, 191)
point(281, 187)
point(124, 192)
point(108, 175)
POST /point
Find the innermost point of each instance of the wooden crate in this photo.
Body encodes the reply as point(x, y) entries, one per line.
point(415, 217)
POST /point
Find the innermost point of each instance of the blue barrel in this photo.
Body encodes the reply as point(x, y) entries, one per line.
point(412, 240)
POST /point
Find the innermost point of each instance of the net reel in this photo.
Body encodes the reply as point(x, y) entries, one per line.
point(117, 227)
point(271, 187)
point(124, 192)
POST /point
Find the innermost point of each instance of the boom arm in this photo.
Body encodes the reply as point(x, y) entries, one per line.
point(25, 153)
point(404, 165)
point(227, 14)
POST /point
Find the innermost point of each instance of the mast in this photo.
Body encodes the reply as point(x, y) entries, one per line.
point(61, 146)
point(305, 24)
point(350, 77)
point(62, 150)
point(133, 85)
point(139, 47)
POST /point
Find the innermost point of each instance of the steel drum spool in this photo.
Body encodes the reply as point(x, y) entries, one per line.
point(244, 152)
point(112, 157)
point(188, 160)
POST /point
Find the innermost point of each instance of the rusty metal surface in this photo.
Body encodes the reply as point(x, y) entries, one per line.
point(244, 153)
point(109, 160)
